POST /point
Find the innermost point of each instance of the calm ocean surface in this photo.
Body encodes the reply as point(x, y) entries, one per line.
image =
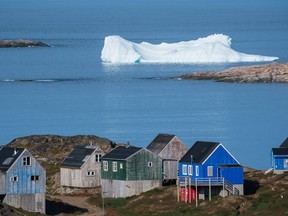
point(66, 90)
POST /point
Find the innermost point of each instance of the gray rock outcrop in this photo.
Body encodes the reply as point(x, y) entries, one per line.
point(21, 43)
point(269, 73)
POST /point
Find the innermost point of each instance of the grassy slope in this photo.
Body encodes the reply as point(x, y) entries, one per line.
point(266, 195)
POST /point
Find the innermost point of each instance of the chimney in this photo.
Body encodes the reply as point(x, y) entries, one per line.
point(15, 151)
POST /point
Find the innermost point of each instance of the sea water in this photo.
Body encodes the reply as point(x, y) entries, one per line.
point(65, 89)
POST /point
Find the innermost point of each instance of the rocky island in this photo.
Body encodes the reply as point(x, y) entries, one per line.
point(269, 73)
point(21, 43)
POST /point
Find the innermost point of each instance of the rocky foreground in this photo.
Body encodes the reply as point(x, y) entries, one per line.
point(21, 43)
point(269, 73)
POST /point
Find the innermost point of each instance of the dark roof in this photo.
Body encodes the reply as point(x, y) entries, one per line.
point(160, 142)
point(121, 153)
point(280, 151)
point(199, 151)
point(8, 157)
point(284, 144)
point(78, 156)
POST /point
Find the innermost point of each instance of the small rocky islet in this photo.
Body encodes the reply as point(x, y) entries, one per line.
point(268, 73)
point(21, 43)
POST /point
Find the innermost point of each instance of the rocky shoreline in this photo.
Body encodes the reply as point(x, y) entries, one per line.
point(21, 43)
point(269, 73)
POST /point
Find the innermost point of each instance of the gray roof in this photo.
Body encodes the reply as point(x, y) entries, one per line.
point(284, 144)
point(78, 156)
point(199, 152)
point(280, 151)
point(8, 155)
point(121, 153)
point(160, 142)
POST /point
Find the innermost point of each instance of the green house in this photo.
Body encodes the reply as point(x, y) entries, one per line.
point(127, 171)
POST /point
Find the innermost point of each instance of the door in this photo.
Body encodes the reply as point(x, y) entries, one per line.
point(219, 174)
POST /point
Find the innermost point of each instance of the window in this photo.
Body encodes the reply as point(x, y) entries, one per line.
point(184, 169)
point(26, 161)
point(97, 157)
point(91, 173)
point(105, 165)
point(190, 170)
point(114, 166)
point(150, 164)
point(286, 164)
point(14, 178)
point(121, 165)
point(197, 170)
point(35, 178)
point(210, 171)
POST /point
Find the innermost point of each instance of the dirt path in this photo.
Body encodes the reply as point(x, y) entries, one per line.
point(80, 202)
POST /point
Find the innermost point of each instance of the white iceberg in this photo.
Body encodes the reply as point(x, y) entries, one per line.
point(212, 49)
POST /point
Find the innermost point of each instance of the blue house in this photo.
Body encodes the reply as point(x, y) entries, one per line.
point(279, 158)
point(208, 167)
point(22, 180)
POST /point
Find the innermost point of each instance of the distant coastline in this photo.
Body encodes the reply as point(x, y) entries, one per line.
point(21, 43)
point(268, 73)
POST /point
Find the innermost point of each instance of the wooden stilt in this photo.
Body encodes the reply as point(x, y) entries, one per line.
point(209, 189)
point(178, 189)
point(196, 192)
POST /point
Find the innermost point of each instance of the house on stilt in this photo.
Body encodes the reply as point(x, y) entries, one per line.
point(279, 158)
point(208, 169)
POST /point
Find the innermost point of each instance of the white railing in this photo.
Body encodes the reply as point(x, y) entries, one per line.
point(214, 181)
point(230, 187)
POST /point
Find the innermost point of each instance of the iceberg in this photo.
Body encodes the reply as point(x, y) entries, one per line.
point(212, 49)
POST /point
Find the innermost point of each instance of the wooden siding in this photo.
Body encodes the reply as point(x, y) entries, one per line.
point(109, 174)
point(170, 168)
point(24, 185)
point(135, 167)
point(234, 175)
point(81, 179)
point(280, 162)
point(220, 156)
point(2, 184)
point(141, 172)
point(118, 188)
point(174, 150)
point(138, 166)
point(28, 202)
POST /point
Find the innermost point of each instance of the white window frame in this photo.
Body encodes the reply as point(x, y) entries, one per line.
point(285, 165)
point(114, 166)
point(35, 178)
point(97, 157)
point(121, 165)
point(190, 170)
point(26, 161)
point(197, 170)
point(105, 165)
point(90, 173)
point(184, 169)
point(14, 178)
point(150, 164)
point(209, 171)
